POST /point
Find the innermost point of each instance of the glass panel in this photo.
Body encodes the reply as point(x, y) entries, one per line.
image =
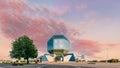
point(61, 44)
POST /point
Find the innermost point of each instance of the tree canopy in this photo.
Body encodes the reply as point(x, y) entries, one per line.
point(23, 47)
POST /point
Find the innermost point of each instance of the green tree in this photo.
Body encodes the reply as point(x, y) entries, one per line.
point(113, 60)
point(94, 61)
point(23, 47)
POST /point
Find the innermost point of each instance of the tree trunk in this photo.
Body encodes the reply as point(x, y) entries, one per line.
point(27, 60)
point(19, 58)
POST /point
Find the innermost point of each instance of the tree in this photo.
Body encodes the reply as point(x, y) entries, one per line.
point(113, 60)
point(94, 61)
point(23, 47)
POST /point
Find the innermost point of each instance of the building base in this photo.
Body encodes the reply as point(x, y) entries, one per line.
point(54, 58)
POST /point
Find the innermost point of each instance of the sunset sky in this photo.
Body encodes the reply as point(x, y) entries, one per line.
point(92, 26)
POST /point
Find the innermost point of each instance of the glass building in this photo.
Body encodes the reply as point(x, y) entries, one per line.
point(58, 44)
point(58, 47)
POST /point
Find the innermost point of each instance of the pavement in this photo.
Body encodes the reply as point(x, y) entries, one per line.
point(37, 66)
point(64, 65)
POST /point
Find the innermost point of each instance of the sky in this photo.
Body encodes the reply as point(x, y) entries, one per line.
point(92, 26)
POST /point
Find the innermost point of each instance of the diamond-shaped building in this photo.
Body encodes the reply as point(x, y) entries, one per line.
point(58, 47)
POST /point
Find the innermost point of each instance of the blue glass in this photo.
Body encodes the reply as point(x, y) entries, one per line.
point(58, 42)
point(61, 44)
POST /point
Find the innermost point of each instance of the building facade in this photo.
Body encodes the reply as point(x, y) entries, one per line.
point(58, 47)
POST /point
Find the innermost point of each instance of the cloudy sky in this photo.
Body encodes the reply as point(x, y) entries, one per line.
point(92, 26)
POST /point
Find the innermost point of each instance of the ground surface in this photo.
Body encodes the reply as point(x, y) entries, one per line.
point(65, 65)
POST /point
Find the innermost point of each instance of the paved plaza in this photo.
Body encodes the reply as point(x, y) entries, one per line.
point(64, 65)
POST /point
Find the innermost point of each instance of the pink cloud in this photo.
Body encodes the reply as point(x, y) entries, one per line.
point(61, 12)
point(56, 12)
point(15, 23)
point(88, 47)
